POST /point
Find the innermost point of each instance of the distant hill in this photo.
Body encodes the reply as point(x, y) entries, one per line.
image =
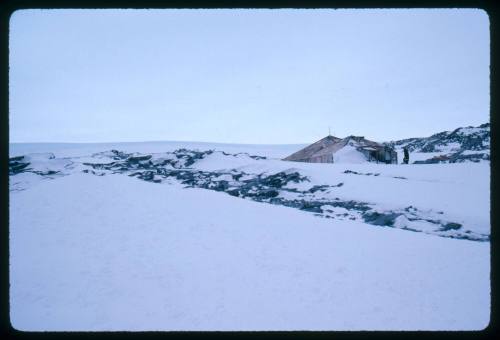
point(464, 144)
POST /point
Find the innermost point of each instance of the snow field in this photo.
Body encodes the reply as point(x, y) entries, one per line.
point(117, 253)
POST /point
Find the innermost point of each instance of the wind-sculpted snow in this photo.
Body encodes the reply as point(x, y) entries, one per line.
point(255, 178)
point(44, 164)
point(27, 170)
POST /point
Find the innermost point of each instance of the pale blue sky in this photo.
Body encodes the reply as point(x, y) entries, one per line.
point(245, 76)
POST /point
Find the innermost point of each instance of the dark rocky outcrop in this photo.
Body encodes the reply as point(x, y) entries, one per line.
point(18, 165)
point(270, 188)
point(472, 144)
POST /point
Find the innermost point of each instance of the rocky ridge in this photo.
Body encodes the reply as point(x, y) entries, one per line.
point(279, 188)
point(465, 144)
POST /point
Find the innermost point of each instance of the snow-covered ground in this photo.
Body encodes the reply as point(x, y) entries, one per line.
point(94, 249)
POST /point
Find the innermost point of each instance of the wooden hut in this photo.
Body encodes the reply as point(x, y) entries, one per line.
point(323, 150)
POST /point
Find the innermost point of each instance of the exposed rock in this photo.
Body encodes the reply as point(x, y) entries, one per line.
point(271, 188)
point(17, 165)
point(377, 218)
point(360, 173)
point(451, 226)
point(466, 144)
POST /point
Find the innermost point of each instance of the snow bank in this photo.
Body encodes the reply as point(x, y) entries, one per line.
point(349, 154)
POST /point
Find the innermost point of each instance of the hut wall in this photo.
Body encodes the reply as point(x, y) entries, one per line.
point(328, 158)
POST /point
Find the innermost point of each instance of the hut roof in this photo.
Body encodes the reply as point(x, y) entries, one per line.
point(330, 145)
point(312, 149)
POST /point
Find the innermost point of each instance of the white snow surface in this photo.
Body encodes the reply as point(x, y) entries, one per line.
point(90, 253)
point(469, 130)
point(349, 154)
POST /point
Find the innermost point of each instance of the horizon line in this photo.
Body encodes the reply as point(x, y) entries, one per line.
point(151, 141)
